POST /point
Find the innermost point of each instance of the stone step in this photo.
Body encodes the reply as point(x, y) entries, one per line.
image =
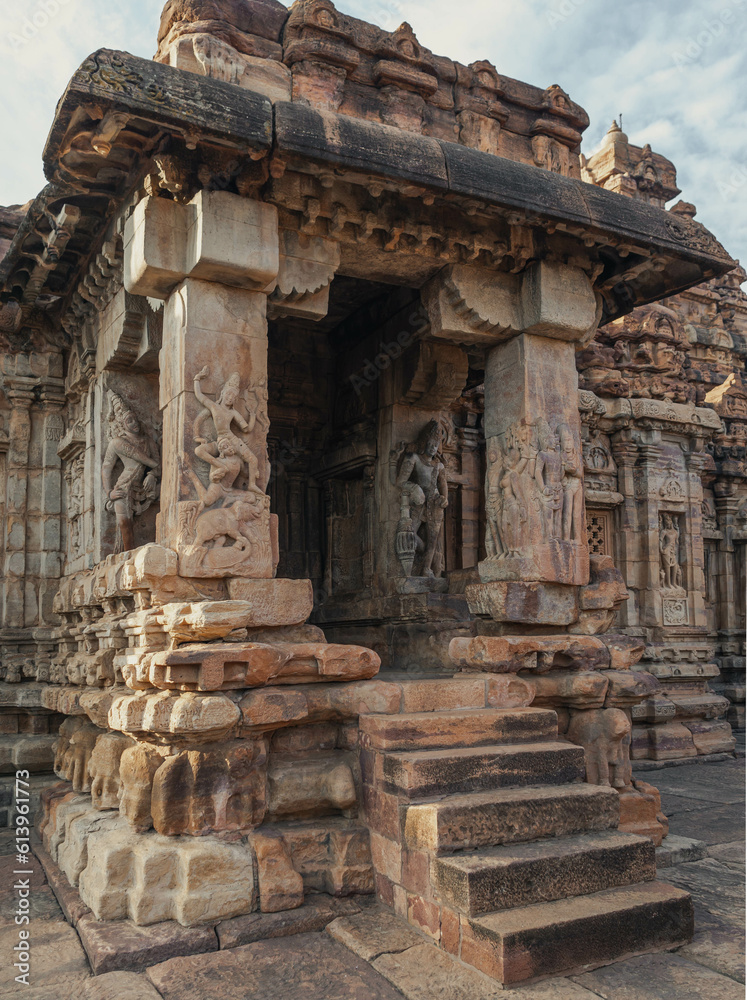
point(422, 773)
point(508, 816)
point(504, 877)
point(436, 730)
point(573, 935)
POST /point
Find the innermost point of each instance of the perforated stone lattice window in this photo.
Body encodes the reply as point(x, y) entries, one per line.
point(598, 532)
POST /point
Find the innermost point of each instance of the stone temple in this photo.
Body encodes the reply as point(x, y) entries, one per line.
point(372, 467)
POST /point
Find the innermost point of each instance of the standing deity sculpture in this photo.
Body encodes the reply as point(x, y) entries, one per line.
point(137, 487)
point(573, 485)
point(669, 548)
point(423, 498)
point(549, 474)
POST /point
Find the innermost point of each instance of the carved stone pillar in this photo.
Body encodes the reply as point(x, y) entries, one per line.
point(217, 262)
point(20, 393)
point(531, 324)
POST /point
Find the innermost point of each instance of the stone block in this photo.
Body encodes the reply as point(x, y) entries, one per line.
point(565, 936)
point(423, 773)
point(487, 819)
point(625, 650)
point(316, 913)
point(273, 603)
point(507, 877)
point(525, 603)
point(184, 715)
point(203, 53)
point(311, 787)
point(155, 242)
point(117, 945)
point(374, 931)
point(232, 240)
point(32, 753)
point(572, 689)
point(150, 879)
point(509, 691)
point(443, 695)
point(280, 886)
point(712, 737)
point(437, 730)
point(678, 850)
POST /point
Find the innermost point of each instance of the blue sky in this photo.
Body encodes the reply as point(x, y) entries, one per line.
point(675, 69)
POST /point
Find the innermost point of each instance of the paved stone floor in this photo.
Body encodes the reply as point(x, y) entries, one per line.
point(372, 956)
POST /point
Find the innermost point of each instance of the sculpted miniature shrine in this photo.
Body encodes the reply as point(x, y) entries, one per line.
point(373, 471)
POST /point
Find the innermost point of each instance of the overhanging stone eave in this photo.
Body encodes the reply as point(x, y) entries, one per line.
point(673, 253)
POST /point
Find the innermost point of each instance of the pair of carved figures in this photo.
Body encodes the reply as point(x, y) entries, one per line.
point(669, 549)
point(534, 488)
point(421, 481)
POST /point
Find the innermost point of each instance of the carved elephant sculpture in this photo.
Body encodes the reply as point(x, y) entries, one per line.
point(604, 733)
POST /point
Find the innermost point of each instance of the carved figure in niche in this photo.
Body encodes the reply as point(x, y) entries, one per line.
point(519, 462)
point(244, 522)
point(423, 496)
point(669, 547)
point(138, 484)
point(224, 415)
point(494, 499)
point(75, 477)
point(573, 485)
point(549, 478)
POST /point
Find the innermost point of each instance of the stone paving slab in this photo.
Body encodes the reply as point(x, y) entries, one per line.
point(733, 853)
point(678, 850)
point(43, 905)
point(424, 973)
point(121, 945)
point(673, 805)
point(373, 933)
point(60, 989)
point(313, 916)
point(119, 986)
point(715, 824)
point(714, 886)
point(307, 966)
point(660, 977)
point(56, 955)
point(718, 944)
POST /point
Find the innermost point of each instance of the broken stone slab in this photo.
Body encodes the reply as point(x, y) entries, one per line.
point(300, 788)
point(715, 886)
point(625, 650)
point(275, 707)
point(280, 885)
point(312, 966)
point(660, 977)
point(513, 653)
point(374, 931)
point(678, 850)
point(316, 913)
point(263, 603)
point(120, 945)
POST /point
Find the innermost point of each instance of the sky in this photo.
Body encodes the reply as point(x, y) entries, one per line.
point(675, 69)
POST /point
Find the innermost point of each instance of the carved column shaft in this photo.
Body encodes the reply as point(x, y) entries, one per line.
point(20, 395)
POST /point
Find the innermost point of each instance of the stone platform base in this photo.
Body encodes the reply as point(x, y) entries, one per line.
point(122, 946)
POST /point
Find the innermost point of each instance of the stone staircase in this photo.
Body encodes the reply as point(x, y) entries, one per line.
point(486, 837)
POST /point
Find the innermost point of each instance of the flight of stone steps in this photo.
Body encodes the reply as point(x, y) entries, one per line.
point(486, 837)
